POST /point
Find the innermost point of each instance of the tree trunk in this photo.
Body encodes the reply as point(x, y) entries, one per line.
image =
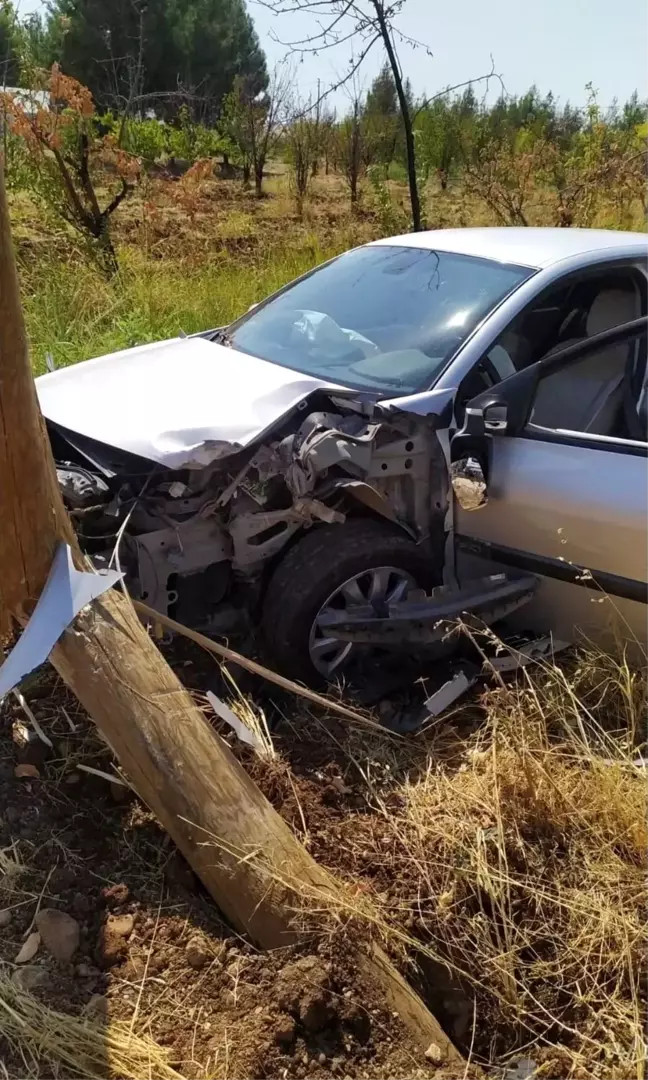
point(242, 850)
point(410, 148)
point(258, 181)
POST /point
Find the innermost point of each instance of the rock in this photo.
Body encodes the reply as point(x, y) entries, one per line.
point(524, 1069)
point(113, 938)
point(322, 1059)
point(284, 1032)
point(30, 749)
point(60, 933)
point(303, 990)
point(134, 969)
point(29, 949)
point(26, 772)
point(435, 1054)
point(86, 971)
point(113, 895)
point(197, 952)
point(158, 962)
point(5, 918)
point(97, 1006)
point(30, 977)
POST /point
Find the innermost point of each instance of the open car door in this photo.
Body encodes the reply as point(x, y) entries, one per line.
point(550, 478)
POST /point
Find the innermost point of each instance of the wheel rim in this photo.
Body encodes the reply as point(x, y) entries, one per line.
point(386, 584)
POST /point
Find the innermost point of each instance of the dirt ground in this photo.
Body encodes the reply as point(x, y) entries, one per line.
point(152, 950)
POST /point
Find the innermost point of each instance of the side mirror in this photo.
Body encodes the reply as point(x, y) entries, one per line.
point(469, 483)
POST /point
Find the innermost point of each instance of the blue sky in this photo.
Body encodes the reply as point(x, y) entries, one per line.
point(558, 44)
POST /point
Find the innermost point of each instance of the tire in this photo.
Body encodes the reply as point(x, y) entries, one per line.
point(314, 568)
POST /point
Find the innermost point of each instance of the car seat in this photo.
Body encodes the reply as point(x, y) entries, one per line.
point(587, 394)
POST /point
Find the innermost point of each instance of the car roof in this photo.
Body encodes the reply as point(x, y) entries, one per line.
point(537, 248)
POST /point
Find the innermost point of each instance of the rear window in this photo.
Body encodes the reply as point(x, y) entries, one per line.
point(383, 318)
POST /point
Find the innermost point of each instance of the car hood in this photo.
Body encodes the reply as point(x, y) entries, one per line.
point(182, 403)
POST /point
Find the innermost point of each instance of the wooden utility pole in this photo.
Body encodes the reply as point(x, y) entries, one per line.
point(242, 850)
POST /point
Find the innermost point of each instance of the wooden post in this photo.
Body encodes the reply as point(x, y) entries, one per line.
point(176, 762)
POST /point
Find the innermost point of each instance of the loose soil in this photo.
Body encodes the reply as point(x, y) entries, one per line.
point(153, 950)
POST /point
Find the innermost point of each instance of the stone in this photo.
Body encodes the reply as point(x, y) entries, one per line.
point(30, 977)
point(60, 933)
point(97, 1006)
point(284, 1032)
point(5, 918)
point(86, 971)
point(28, 949)
point(113, 938)
point(197, 952)
point(435, 1054)
point(303, 990)
point(113, 895)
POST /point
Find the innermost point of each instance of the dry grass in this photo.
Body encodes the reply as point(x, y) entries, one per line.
point(524, 865)
point(516, 857)
point(44, 1040)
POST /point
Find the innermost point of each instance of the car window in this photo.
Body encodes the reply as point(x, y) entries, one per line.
point(572, 311)
point(384, 318)
point(602, 393)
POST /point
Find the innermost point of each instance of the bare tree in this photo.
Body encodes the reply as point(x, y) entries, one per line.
point(350, 149)
point(370, 22)
point(303, 139)
point(253, 122)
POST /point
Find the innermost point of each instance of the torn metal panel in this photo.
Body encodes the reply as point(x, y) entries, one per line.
point(178, 550)
point(460, 683)
point(428, 620)
point(516, 653)
point(259, 536)
point(67, 591)
point(370, 497)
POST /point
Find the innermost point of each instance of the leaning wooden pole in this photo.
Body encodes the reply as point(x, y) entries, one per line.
point(241, 849)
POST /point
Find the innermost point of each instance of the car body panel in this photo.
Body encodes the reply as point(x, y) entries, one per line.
point(181, 403)
point(551, 503)
point(537, 248)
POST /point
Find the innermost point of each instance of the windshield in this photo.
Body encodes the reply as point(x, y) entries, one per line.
point(381, 318)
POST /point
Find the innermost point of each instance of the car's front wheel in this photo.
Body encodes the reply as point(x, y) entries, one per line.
point(331, 568)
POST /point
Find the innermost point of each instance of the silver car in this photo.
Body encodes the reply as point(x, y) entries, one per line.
point(431, 410)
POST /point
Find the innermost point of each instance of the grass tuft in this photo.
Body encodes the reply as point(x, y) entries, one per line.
point(44, 1040)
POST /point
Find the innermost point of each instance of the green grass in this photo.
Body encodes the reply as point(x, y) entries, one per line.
point(75, 313)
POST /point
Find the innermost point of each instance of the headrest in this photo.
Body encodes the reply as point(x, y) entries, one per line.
point(611, 307)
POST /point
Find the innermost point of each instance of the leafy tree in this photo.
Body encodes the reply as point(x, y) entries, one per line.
point(9, 45)
point(69, 157)
point(251, 123)
point(130, 52)
point(381, 119)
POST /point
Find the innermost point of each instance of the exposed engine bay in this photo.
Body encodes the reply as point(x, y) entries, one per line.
point(198, 543)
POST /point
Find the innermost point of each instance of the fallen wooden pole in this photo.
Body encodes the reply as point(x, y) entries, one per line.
point(176, 762)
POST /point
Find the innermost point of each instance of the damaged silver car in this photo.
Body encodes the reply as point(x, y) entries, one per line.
point(293, 470)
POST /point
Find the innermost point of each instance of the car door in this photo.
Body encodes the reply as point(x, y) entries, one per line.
point(562, 449)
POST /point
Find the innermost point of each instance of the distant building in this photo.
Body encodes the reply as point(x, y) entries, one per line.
point(31, 100)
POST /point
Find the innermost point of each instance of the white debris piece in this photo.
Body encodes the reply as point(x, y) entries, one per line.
point(67, 591)
point(447, 694)
point(241, 730)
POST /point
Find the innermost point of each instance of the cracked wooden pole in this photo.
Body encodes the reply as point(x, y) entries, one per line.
point(176, 762)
